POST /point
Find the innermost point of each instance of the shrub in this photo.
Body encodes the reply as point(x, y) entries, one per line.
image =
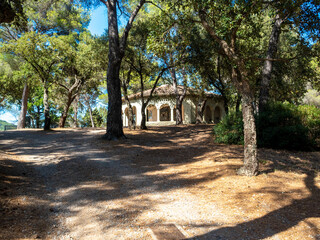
point(281, 126)
point(310, 116)
point(230, 129)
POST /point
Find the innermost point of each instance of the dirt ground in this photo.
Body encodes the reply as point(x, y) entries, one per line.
point(162, 183)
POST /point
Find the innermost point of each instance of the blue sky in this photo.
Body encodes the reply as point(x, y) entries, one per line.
point(98, 22)
point(97, 26)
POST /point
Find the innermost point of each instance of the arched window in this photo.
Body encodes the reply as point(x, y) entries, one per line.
point(165, 113)
point(151, 113)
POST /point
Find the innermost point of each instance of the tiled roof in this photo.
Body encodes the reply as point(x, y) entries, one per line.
point(168, 90)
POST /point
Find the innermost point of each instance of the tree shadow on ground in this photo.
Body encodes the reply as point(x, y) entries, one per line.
point(85, 170)
point(276, 221)
point(25, 209)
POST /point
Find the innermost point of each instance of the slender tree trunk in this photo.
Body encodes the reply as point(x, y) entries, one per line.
point(225, 104)
point(64, 114)
point(90, 110)
point(37, 117)
point(24, 106)
point(179, 97)
point(47, 120)
point(200, 110)
point(267, 66)
point(241, 81)
point(75, 117)
point(238, 103)
point(251, 165)
point(145, 103)
point(125, 94)
point(143, 116)
point(222, 90)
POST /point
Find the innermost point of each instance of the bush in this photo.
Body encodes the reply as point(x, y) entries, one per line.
point(281, 126)
point(230, 129)
point(310, 116)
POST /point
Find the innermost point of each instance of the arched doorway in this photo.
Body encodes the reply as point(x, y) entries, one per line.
point(165, 113)
point(151, 113)
point(217, 115)
point(208, 115)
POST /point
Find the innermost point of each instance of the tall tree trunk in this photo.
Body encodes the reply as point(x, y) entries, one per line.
point(47, 119)
point(267, 66)
point(225, 104)
point(75, 116)
point(145, 104)
point(238, 102)
point(179, 97)
point(114, 121)
point(90, 110)
point(251, 165)
point(116, 53)
point(24, 106)
point(64, 114)
point(241, 80)
point(143, 116)
point(200, 110)
point(222, 90)
point(125, 84)
point(37, 117)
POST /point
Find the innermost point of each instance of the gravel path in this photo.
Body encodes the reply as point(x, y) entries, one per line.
point(164, 183)
point(92, 191)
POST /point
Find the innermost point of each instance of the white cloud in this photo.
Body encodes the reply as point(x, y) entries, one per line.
point(9, 117)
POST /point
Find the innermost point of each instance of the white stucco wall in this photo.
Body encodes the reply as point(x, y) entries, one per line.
point(189, 109)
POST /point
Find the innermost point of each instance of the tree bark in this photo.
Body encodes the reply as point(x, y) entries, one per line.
point(87, 99)
point(47, 119)
point(24, 106)
point(240, 79)
point(145, 104)
point(116, 53)
point(179, 97)
point(200, 110)
point(75, 117)
point(64, 114)
point(125, 84)
point(37, 117)
point(251, 165)
point(267, 66)
point(238, 102)
point(143, 116)
point(72, 92)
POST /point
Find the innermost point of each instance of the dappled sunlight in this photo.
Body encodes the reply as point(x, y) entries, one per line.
point(170, 180)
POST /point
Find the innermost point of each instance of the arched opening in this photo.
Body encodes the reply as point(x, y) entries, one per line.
point(208, 115)
point(165, 114)
point(151, 113)
point(217, 115)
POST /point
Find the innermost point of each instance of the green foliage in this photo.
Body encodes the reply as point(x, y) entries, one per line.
point(312, 97)
point(230, 129)
point(281, 126)
point(97, 119)
point(310, 117)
